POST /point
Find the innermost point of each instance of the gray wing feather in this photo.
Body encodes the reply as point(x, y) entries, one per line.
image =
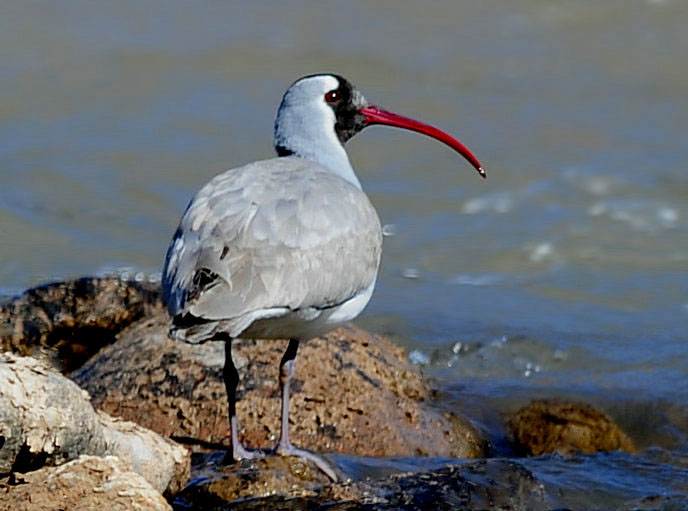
point(276, 233)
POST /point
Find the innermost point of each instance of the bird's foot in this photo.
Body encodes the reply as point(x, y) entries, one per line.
point(239, 452)
point(319, 461)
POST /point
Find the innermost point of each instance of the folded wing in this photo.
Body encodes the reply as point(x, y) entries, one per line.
point(276, 234)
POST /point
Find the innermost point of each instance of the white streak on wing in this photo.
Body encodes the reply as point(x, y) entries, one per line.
point(352, 308)
point(303, 324)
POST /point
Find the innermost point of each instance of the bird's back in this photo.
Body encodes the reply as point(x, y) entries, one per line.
point(273, 238)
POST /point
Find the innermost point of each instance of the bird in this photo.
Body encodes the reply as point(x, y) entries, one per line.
point(284, 248)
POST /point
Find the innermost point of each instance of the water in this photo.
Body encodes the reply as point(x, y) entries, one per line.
point(565, 273)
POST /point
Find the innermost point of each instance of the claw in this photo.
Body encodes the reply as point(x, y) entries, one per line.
point(319, 461)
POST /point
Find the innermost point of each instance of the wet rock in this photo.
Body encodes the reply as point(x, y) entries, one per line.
point(274, 475)
point(485, 484)
point(89, 482)
point(46, 419)
point(565, 427)
point(355, 393)
point(68, 322)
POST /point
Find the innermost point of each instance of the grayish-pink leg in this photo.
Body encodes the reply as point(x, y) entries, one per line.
point(284, 446)
point(231, 377)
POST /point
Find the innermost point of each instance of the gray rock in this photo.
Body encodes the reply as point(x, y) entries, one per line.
point(164, 464)
point(46, 419)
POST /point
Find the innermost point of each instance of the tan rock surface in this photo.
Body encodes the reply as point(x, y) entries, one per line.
point(87, 483)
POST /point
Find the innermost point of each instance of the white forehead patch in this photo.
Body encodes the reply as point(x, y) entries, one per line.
point(305, 125)
point(326, 82)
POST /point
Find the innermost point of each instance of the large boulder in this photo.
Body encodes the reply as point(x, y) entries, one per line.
point(354, 393)
point(163, 463)
point(46, 419)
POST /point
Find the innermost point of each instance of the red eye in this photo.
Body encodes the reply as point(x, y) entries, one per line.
point(332, 96)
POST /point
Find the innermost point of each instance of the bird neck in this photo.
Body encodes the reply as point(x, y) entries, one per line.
point(319, 144)
point(336, 161)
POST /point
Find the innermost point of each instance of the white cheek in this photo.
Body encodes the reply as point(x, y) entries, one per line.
point(328, 121)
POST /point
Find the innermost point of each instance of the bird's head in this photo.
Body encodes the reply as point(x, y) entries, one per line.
point(319, 113)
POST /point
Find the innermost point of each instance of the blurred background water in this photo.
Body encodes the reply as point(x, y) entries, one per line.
point(565, 273)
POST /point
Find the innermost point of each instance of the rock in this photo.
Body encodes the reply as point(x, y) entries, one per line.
point(564, 427)
point(164, 464)
point(89, 482)
point(484, 484)
point(46, 419)
point(354, 393)
point(68, 322)
point(274, 475)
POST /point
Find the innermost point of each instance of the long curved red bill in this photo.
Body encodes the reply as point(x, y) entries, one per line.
point(376, 115)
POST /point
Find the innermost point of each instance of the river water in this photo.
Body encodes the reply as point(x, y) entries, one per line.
point(565, 273)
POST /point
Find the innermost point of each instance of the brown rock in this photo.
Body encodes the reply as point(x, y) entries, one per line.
point(89, 482)
point(354, 393)
point(67, 322)
point(565, 427)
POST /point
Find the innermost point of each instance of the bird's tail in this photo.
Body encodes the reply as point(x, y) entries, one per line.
point(192, 329)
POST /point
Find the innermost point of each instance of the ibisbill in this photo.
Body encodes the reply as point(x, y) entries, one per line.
point(285, 248)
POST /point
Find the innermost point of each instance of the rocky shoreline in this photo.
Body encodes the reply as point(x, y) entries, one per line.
point(98, 405)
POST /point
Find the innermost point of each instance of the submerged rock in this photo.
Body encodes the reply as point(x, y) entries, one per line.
point(89, 482)
point(354, 393)
point(46, 419)
point(565, 427)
